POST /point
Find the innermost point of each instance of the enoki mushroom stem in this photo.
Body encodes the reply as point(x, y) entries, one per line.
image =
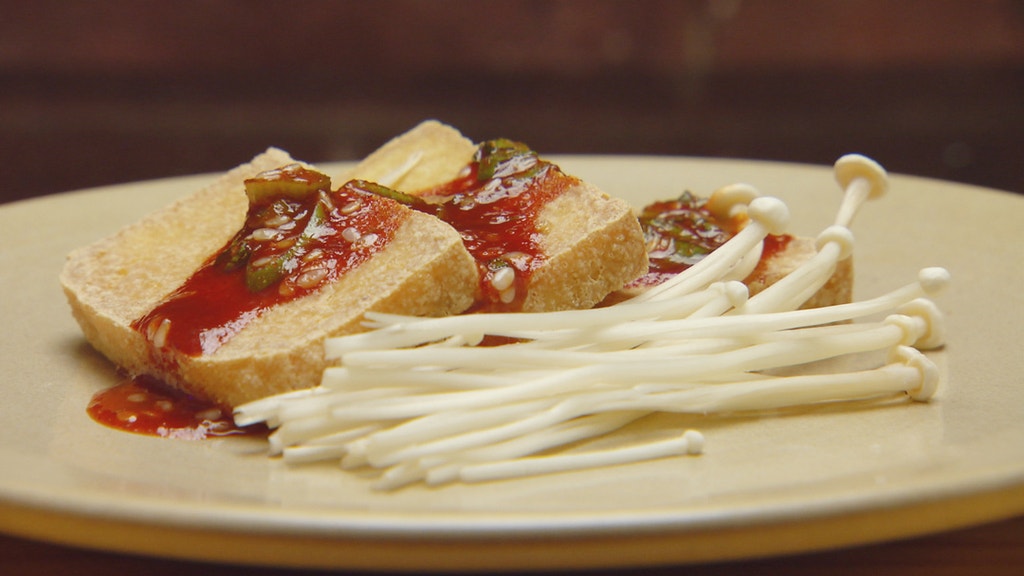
point(420, 400)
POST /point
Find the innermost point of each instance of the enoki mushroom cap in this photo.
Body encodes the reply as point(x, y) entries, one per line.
point(725, 202)
point(927, 369)
point(736, 292)
point(934, 280)
point(853, 166)
point(839, 235)
point(934, 333)
point(771, 213)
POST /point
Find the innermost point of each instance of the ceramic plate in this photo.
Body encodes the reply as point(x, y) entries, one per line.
point(802, 480)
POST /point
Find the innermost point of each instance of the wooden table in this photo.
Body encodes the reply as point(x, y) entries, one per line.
point(992, 550)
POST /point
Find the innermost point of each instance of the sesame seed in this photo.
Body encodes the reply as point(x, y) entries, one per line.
point(311, 278)
point(261, 234)
point(367, 240)
point(350, 234)
point(276, 221)
point(351, 207)
point(160, 335)
point(285, 244)
point(503, 278)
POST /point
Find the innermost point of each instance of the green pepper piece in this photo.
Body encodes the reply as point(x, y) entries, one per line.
point(385, 192)
point(258, 278)
point(236, 254)
point(503, 157)
point(293, 181)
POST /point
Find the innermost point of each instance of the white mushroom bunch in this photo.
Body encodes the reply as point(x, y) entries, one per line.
point(422, 401)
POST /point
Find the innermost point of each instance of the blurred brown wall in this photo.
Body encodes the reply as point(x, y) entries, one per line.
point(109, 91)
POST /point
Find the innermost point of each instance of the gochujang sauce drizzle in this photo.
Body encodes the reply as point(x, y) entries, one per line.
point(144, 406)
point(773, 244)
point(290, 247)
point(495, 205)
point(298, 236)
point(681, 232)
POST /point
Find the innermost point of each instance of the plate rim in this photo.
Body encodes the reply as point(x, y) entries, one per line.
point(1005, 485)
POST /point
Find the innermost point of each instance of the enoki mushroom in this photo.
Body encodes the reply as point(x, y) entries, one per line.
point(421, 399)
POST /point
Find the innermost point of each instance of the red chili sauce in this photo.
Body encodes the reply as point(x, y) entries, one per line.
point(298, 236)
point(681, 232)
point(773, 244)
point(495, 206)
point(145, 406)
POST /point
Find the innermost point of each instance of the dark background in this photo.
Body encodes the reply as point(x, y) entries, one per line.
point(110, 91)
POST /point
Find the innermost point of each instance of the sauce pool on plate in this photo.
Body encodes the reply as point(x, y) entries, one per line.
point(145, 406)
